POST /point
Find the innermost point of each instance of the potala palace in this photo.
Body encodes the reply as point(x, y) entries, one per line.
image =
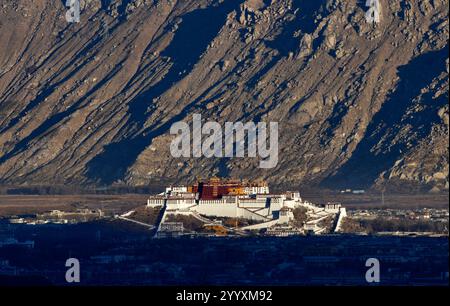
point(216, 198)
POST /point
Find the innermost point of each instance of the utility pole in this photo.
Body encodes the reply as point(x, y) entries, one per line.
point(382, 197)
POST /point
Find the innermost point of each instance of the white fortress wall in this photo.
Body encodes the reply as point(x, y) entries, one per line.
point(264, 212)
point(275, 205)
point(291, 203)
point(217, 210)
point(260, 225)
point(226, 210)
point(155, 202)
point(175, 204)
point(342, 215)
point(180, 212)
point(252, 203)
point(248, 214)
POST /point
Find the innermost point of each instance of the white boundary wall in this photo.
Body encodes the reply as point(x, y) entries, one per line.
point(226, 210)
point(217, 210)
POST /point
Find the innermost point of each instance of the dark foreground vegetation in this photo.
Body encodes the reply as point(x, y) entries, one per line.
point(121, 253)
point(393, 225)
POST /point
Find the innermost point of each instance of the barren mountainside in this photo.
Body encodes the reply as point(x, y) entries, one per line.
point(358, 104)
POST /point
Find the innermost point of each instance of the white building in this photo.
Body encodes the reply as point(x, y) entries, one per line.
point(176, 189)
point(256, 189)
point(176, 203)
point(286, 215)
point(268, 209)
point(332, 207)
point(156, 201)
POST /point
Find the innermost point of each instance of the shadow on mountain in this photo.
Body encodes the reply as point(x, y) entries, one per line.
point(286, 41)
point(379, 149)
point(303, 22)
point(53, 120)
point(196, 31)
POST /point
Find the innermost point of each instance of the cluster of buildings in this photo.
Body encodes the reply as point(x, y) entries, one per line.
point(123, 257)
point(431, 214)
point(235, 199)
point(59, 217)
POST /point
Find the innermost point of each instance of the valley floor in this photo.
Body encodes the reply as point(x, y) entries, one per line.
point(31, 204)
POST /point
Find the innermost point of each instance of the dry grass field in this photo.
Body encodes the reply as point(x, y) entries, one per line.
point(374, 200)
point(28, 204)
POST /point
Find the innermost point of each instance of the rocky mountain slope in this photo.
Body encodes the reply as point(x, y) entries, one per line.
point(358, 104)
